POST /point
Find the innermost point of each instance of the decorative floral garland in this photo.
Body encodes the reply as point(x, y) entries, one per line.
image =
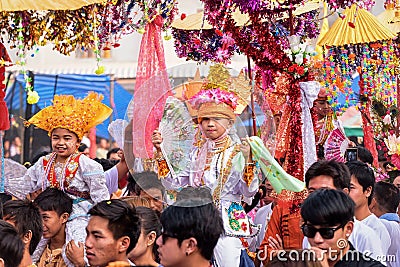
point(204, 45)
point(68, 30)
point(376, 74)
point(130, 16)
point(216, 95)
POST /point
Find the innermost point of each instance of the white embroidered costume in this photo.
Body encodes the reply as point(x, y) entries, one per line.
point(89, 177)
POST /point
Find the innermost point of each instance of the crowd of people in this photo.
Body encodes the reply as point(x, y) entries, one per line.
point(69, 210)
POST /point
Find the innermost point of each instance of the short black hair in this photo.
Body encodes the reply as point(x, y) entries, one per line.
point(11, 245)
point(387, 196)
point(106, 163)
point(364, 175)
point(147, 180)
point(112, 151)
point(122, 219)
point(188, 218)
point(189, 192)
point(364, 155)
point(337, 170)
point(149, 221)
point(53, 199)
point(327, 207)
point(82, 147)
point(26, 217)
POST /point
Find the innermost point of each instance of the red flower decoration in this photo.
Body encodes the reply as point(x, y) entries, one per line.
point(244, 226)
point(218, 32)
point(300, 70)
point(183, 16)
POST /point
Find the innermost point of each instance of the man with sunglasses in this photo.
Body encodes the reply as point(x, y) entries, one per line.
point(327, 223)
point(335, 175)
point(191, 229)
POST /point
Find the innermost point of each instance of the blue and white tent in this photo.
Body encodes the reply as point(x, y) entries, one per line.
point(47, 85)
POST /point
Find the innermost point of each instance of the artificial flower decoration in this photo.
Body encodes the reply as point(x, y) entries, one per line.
point(33, 97)
point(214, 95)
point(393, 144)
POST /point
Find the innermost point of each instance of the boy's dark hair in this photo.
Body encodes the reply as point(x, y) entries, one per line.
point(122, 219)
point(149, 221)
point(387, 196)
point(364, 175)
point(26, 217)
point(190, 192)
point(337, 170)
point(56, 200)
point(112, 151)
point(196, 218)
point(11, 245)
point(364, 155)
point(327, 207)
point(106, 163)
point(147, 180)
point(82, 147)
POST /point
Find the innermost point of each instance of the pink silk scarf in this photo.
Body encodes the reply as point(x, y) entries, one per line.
point(151, 89)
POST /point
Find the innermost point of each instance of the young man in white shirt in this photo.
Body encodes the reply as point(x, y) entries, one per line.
point(384, 203)
point(361, 191)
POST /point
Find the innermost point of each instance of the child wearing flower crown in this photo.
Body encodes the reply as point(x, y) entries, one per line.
point(80, 177)
point(220, 163)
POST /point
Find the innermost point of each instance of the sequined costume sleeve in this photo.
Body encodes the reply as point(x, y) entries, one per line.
point(33, 180)
point(93, 179)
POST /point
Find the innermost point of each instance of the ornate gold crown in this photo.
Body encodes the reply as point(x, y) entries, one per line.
point(76, 115)
point(219, 78)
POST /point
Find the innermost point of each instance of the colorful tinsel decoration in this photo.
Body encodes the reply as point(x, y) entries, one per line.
point(204, 45)
point(373, 62)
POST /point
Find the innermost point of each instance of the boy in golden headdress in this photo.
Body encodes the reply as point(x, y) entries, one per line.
point(66, 121)
point(218, 162)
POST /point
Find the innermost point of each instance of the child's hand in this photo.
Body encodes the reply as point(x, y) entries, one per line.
point(245, 149)
point(156, 139)
point(75, 253)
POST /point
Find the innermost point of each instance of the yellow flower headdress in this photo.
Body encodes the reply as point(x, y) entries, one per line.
point(76, 115)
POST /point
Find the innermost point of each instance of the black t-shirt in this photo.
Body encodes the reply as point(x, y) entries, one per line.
point(354, 258)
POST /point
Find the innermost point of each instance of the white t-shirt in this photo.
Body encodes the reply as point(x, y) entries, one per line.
point(112, 179)
point(379, 228)
point(393, 229)
point(262, 217)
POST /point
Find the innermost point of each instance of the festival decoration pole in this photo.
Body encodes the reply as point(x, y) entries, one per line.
point(253, 113)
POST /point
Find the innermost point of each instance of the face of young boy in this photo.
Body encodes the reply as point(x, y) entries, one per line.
point(213, 128)
point(64, 143)
point(53, 224)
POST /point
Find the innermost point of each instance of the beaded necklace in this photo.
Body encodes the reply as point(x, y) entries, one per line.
point(225, 171)
point(69, 168)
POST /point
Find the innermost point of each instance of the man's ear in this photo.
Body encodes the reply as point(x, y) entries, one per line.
point(191, 246)
point(348, 228)
point(27, 237)
point(123, 244)
point(368, 191)
point(151, 238)
point(1, 262)
point(64, 217)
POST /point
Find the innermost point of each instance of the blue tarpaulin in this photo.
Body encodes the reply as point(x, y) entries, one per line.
point(48, 85)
